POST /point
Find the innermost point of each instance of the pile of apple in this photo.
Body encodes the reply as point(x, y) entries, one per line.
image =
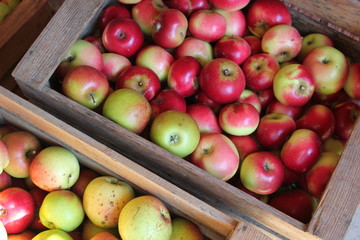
point(230, 86)
point(6, 7)
point(45, 194)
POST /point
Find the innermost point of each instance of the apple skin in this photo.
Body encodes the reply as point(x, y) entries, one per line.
point(114, 64)
point(319, 175)
point(229, 5)
point(38, 195)
point(170, 28)
point(264, 14)
point(86, 85)
point(22, 147)
point(217, 155)
point(277, 107)
point(176, 132)
point(307, 146)
point(27, 235)
point(346, 114)
point(239, 119)
point(145, 217)
point(235, 22)
point(274, 129)
point(200, 97)
point(262, 172)
point(167, 99)
point(54, 168)
point(17, 209)
point(104, 236)
point(245, 145)
point(266, 97)
point(232, 47)
point(128, 108)
point(251, 97)
point(254, 43)
point(4, 156)
point(293, 85)
point(4, 11)
point(222, 80)
point(82, 52)
point(329, 68)
point(296, 203)
point(52, 234)
point(311, 41)
point(282, 42)
point(89, 229)
point(199, 49)
point(123, 36)
point(157, 59)
point(205, 118)
point(259, 70)
point(183, 228)
point(5, 129)
point(5, 181)
point(141, 79)
point(352, 84)
point(207, 25)
point(110, 12)
point(333, 144)
point(189, 6)
point(183, 75)
point(85, 177)
point(318, 118)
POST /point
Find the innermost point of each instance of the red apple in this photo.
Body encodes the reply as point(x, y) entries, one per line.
point(248, 96)
point(114, 64)
point(229, 5)
point(167, 99)
point(86, 175)
point(97, 41)
point(307, 146)
point(189, 6)
point(123, 36)
point(265, 97)
point(290, 177)
point(311, 41)
point(234, 48)
point(277, 107)
point(38, 195)
point(254, 43)
point(200, 97)
point(110, 12)
point(346, 114)
point(5, 129)
point(141, 79)
point(17, 209)
point(26, 235)
point(199, 49)
point(5, 180)
point(235, 22)
point(217, 155)
point(4, 156)
point(244, 144)
point(352, 84)
point(205, 118)
point(262, 172)
point(222, 80)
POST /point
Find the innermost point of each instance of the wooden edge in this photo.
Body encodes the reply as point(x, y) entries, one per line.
point(244, 230)
point(143, 178)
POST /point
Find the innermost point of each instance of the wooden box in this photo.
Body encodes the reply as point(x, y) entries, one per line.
point(338, 206)
point(17, 111)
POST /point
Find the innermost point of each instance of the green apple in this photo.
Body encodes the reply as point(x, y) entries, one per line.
point(103, 199)
point(52, 234)
point(145, 218)
point(4, 156)
point(183, 228)
point(54, 168)
point(11, 3)
point(128, 108)
point(4, 11)
point(89, 230)
point(61, 209)
point(311, 41)
point(175, 131)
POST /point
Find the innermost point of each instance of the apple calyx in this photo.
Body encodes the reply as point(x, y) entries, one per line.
point(3, 212)
point(31, 154)
point(267, 166)
point(303, 85)
point(174, 139)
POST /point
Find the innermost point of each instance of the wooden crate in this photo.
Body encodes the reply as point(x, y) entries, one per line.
point(214, 224)
point(338, 205)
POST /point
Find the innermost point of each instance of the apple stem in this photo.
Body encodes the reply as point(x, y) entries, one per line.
point(226, 72)
point(93, 98)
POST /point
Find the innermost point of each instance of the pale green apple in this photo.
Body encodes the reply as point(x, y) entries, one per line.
point(4, 11)
point(54, 168)
point(183, 228)
point(145, 218)
point(103, 199)
point(11, 3)
point(52, 234)
point(311, 41)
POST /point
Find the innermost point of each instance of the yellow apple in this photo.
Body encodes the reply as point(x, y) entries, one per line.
point(52, 234)
point(183, 228)
point(89, 230)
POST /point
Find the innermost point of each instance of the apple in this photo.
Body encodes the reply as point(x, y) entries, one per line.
point(156, 58)
point(7, 128)
point(217, 155)
point(110, 12)
point(234, 48)
point(97, 41)
point(290, 177)
point(188, 7)
point(145, 12)
point(318, 118)
point(184, 75)
point(22, 146)
point(293, 85)
point(167, 99)
point(141, 79)
point(5, 181)
point(82, 52)
point(333, 144)
point(104, 236)
point(38, 195)
point(274, 129)
point(114, 64)
point(311, 41)
point(259, 70)
point(4, 11)
point(176, 132)
point(200, 97)
point(205, 118)
point(352, 83)
point(262, 172)
point(229, 5)
point(85, 177)
point(199, 49)
point(266, 97)
point(245, 145)
point(17, 209)
point(282, 42)
point(123, 36)
point(129, 1)
point(239, 119)
point(329, 68)
point(128, 108)
point(296, 203)
point(145, 217)
point(89, 229)
point(264, 14)
point(11, 3)
point(235, 22)
point(86, 85)
point(277, 107)
point(183, 228)
point(207, 25)
point(104, 198)
point(346, 114)
point(4, 156)
point(248, 96)
point(27, 235)
point(222, 80)
point(254, 43)
point(170, 28)
point(52, 234)
point(307, 146)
